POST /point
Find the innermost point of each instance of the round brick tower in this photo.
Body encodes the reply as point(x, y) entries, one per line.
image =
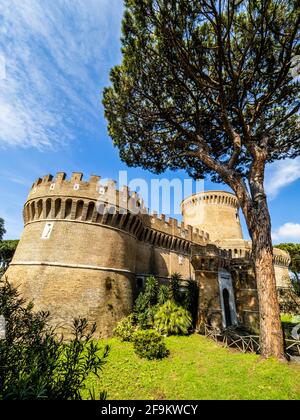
point(216, 212)
point(75, 259)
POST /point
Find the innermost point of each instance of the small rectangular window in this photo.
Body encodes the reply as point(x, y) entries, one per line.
point(140, 282)
point(47, 230)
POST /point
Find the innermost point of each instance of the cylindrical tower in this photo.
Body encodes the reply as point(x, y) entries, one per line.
point(216, 212)
point(73, 259)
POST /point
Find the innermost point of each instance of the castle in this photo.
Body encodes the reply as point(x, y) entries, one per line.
point(87, 249)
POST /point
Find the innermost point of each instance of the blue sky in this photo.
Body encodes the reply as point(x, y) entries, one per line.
point(55, 57)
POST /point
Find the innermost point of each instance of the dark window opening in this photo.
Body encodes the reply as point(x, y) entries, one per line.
point(228, 319)
point(140, 282)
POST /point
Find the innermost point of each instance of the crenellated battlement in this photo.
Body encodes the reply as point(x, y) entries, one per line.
point(281, 257)
point(221, 198)
point(209, 257)
point(172, 226)
point(92, 189)
point(74, 199)
point(75, 186)
point(59, 198)
point(216, 212)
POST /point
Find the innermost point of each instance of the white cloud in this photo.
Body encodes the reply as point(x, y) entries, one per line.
point(288, 232)
point(57, 57)
point(281, 174)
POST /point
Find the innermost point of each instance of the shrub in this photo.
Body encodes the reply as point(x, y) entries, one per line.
point(190, 301)
point(142, 319)
point(163, 294)
point(286, 318)
point(288, 322)
point(145, 305)
point(149, 344)
point(172, 319)
point(154, 296)
point(7, 250)
point(175, 293)
point(151, 290)
point(34, 362)
point(149, 296)
point(145, 319)
point(125, 329)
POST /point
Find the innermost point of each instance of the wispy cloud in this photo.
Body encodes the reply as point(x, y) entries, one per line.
point(57, 55)
point(288, 232)
point(281, 174)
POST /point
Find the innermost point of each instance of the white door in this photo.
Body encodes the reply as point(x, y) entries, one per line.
point(229, 316)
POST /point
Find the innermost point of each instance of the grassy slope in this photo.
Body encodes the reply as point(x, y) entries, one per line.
point(197, 368)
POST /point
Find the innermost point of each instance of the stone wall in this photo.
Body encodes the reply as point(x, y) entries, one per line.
point(85, 245)
point(79, 237)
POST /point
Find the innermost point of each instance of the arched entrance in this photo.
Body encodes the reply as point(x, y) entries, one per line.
point(227, 299)
point(226, 302)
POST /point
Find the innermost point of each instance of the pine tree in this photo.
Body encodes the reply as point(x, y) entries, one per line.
point(210, 86)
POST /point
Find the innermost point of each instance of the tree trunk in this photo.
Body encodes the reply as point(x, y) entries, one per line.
point(253, 202)
point(271, 334)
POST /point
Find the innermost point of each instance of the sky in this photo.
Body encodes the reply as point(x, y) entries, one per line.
point(55, 58)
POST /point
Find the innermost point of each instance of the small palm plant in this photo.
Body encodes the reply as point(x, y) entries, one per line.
point(175, 288)
point(172, 319)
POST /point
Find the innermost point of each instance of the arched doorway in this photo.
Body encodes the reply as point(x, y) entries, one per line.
point(227, 308)
point(227, 299)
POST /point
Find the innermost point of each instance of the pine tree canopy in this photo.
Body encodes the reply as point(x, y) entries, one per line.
point(204, 84)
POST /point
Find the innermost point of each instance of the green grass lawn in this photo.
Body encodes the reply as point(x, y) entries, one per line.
point(197, 368)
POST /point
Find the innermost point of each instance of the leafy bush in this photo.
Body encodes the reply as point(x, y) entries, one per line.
point(145, 305)
point(125, 329)
point(149, 344)
point(172, 319)
point(154, 296)
point(34, 362)
point(163, 294)
point(287, 318)
point(145, 319)
point(175, 293)
point(190, 300)
point(288, 322)
point(149, 296)
point(151, 290)
point(7, 250)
